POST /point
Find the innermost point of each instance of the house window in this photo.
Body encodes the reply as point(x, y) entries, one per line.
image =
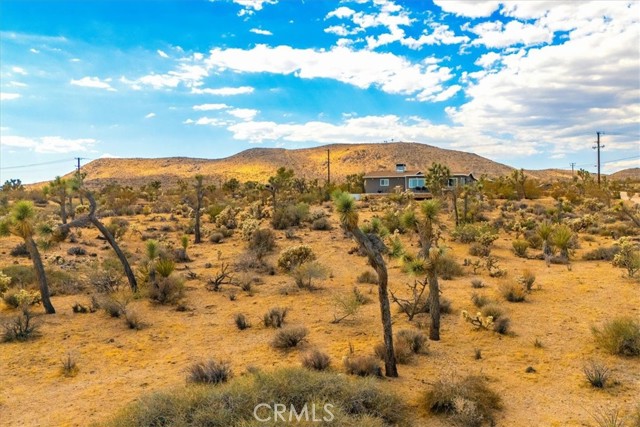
point(416, 182)
point(452, 182)
point(384, 182)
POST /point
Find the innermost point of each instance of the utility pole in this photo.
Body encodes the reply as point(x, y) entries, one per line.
point(328, 168)
point(78, 167)
point(573, 165)
point(598, 147)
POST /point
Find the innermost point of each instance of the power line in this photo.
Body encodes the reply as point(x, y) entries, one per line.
point(37, 164)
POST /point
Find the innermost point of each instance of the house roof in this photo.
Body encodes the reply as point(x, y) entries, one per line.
point(393, 174)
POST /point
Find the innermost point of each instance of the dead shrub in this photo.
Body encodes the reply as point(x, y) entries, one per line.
point(401, 349)
point(275, 317)
point(362, 366)
point(209, 372)
point(513, 292)
point(316, 360)
point(289, 336)
point(416, 340)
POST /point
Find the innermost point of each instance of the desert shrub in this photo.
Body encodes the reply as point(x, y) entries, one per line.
point(216, 237)
point(76, 250)
point(620, 336)
point(347, 305)
point(21, 298)
point(80, 308)
point(5, 281)
point(357, 402)
point(275, 317)
point(448, 268)
point(294, 256)
point(227, 218)
point(628, 257)
point(316, 360)
point(21, 275)
point(69, 366)
point(501, 325)
point(19, 250)
point(321, 224)
point(118, 227)
point(601, 253)
point(248, 227)
point(368, 276)
point(563, 239)
point(527, 279)
point(375, 226)
point(166, 290)
point(468, 233)
point(597, 374)
point(520, 248)
point(262, 242)
point(468, 401)
point(209, 372)
point(21, 328)
point(480, 300)
point(165, 266)
point(513, 292)
point(133, 320)
point(479, 250)
point(534, 240)
point(289, 216)
point(492, 309)
point(477, 283)
point(115, 305)
point(306, 273)
point(241, 321)
point(401, 350)
point(362, 366)
point(289, 336)
point(416, 340)
point(609, 417)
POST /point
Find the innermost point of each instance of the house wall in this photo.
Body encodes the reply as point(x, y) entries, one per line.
point(372, 185)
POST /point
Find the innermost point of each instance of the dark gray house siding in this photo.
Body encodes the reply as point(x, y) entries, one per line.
point(374, 182)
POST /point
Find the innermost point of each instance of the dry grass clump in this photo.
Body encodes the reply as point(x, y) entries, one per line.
point(362, 366)
point(416, 340)
point(316, 360)
point(401, 349)
point(467, 401)
point(597, 374)
point(275, 317)
point(368, 276)
point(620, 336)
point(289, 336)
point(241, 321)
point(513, 292)
point(209, 372)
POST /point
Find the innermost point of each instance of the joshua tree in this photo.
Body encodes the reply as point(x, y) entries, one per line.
point(91, 217)
point(437, 178)
point(424, 225)
point(198, 207)
point(518, 179)
point(562, 237)
point(58, 190)
point(544, 231)
point(278, 183)
point(21, 222)
point(373, 247)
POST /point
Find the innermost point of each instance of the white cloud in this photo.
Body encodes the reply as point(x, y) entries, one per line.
point(48, 144)
point(261, 32)
point(441, 34)
point(16, 84)
point(243, 113)
point(209, 107)
point(224, 91)
point(150, 116)
point(109, 156)
point(250, 6)
point(93, 82)
point(34, 50)
point(187, 74)
point(75, 60)
point(19, 70)
point(469, 8)
point(341, 12)
point(498, 35)
point(363, 69)
point(621, 164)
point(488, 59)
point(8, 96)
point(162, 53)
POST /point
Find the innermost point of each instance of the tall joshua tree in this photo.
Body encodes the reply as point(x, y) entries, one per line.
point(58, 190)
point(21, 222)
point(373, 247)
point(198, 207)
point(424, 225)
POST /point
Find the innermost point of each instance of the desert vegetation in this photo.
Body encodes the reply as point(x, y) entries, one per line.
point(199, 300)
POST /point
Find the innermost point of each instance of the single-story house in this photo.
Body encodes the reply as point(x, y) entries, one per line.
point(414, 180)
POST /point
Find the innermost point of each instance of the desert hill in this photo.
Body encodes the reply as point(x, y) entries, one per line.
point(260, 163)
point(631, 173)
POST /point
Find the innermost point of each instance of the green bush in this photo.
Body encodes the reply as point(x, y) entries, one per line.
point(601, 254)
point(21, 298)
point(294, 256)
point(289, 216)
point(448, 268)
point(21, 275)
point(306, 273)
point(359, 402)
point(520, 248)
point(620, 336)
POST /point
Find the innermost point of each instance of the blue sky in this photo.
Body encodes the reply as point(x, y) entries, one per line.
point(526, 83)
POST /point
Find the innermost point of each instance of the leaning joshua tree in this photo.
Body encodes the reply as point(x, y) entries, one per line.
point(93, 219)
point(21, 222)
point(373, 247)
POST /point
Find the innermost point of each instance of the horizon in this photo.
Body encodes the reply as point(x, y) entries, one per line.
point(525, 84)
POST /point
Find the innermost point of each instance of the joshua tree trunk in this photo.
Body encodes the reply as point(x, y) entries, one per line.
point(377, 262)
point(454, 200)
point(40, 274)
point(199, 197)
point(434, 304)
point(63, 209)
point(71, 211)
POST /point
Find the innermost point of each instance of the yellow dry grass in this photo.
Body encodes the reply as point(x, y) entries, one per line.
point(117, 365)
